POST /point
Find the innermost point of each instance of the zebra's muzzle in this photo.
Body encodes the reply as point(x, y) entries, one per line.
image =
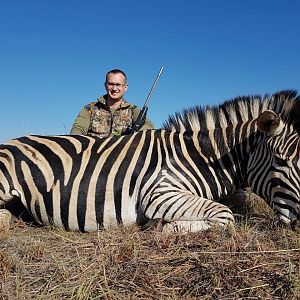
point(295, 224)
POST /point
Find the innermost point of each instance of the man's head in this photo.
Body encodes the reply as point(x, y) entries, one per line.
point(116, 84)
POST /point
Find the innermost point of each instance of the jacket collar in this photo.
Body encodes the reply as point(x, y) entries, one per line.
point(103, 100)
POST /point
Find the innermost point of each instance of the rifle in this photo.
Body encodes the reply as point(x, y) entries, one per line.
point(143, 113)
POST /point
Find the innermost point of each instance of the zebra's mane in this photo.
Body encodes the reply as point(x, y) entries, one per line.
point(236, 111)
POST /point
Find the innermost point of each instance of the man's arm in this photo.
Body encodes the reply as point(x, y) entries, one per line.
point(81, 123)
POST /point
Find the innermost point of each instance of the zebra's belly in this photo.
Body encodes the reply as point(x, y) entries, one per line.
point(87, 214)
point(109, 213)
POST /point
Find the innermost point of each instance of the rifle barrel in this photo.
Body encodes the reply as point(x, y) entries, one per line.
point(153, 87)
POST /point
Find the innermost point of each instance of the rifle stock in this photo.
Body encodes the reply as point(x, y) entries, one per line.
point(140, 121)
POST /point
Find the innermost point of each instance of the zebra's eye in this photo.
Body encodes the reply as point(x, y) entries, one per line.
point(280, 162)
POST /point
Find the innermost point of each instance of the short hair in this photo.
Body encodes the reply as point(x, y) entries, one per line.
point(115, 71)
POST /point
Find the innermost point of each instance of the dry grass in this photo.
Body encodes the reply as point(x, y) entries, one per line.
point(260, 261)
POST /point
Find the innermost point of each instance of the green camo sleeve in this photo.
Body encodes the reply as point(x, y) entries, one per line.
point(81, 123)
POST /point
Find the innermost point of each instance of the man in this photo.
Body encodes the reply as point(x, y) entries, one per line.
point(110, 115)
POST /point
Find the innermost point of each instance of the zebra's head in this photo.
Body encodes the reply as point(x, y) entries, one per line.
point(274, 164)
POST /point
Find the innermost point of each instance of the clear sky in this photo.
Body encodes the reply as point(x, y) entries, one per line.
point(54, 55)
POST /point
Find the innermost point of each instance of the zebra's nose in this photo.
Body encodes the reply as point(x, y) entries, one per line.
point(295, 225)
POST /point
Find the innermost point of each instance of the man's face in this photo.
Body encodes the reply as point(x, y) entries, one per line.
point(116, 86)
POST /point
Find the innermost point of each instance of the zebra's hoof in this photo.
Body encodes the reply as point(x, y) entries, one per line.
point(155, 224)
point(5, 219)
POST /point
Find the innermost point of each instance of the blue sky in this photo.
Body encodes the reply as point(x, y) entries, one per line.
point(54, 55)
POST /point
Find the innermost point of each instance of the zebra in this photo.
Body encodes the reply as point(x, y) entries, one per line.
point(175, 175)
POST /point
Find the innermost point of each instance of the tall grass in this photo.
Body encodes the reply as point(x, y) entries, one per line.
point(260, 260)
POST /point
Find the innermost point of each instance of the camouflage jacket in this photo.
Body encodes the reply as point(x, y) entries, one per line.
point(97, 119)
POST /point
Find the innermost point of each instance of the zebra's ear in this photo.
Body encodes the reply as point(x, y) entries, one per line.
point(269, 122)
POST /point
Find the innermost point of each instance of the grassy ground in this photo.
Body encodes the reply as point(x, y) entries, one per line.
point(259, 261)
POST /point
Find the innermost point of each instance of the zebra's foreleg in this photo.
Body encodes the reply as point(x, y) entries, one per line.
point(186, 212)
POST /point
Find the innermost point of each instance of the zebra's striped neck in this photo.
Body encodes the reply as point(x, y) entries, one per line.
point(226, 151)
